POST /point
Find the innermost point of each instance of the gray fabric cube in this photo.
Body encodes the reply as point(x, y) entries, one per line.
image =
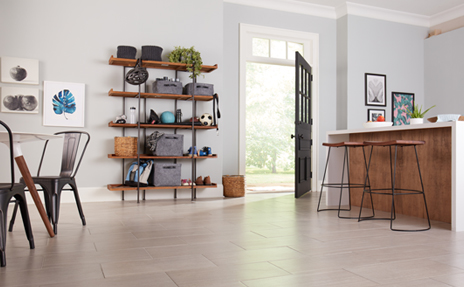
point(167, 87)
point(170, 145)
point(199, 89)
point(167, 174)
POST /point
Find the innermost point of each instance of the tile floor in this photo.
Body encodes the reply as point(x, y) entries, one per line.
point(259, 240)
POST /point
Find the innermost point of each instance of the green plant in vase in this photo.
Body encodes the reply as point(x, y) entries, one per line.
point(417, 113)
point(188, 56)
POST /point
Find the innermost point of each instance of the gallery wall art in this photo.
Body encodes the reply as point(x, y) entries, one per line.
point(401, 103)
point(19, 70)
point(63, 104)
point(19, 100)
point(375, 90)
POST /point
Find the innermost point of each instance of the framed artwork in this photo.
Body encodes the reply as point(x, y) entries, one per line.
point(375, 89)
point(19, 71)
point(63, 104)
point(401, 103)
point(372, 114)
point(20, 100)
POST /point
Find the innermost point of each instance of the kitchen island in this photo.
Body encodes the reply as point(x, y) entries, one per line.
point(441, 161)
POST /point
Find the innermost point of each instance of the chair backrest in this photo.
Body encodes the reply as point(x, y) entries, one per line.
point(70, 152)
point(10, 137)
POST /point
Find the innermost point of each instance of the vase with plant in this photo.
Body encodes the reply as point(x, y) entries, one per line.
point(188, 56)
point(417, 115)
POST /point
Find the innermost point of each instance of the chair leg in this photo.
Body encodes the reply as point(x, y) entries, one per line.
point(78, 202)
point(55, 212)
point(2, 239)
point(13, 216)
point(323, 180)
point(26, 220)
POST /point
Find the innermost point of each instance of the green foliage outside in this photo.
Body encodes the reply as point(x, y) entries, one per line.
point(270, 117)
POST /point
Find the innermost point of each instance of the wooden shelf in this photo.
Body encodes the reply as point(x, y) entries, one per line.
point(161, 126)
point(148, 156)
point(159, 96)
point(158, 65)
point(120, 187)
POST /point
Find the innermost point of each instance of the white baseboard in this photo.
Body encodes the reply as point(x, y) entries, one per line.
point(102, 194)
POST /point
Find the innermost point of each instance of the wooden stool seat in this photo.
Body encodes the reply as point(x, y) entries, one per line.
point(394, 142)
point(340, 144)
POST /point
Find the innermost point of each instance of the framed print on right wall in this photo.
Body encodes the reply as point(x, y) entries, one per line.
point(401, 103)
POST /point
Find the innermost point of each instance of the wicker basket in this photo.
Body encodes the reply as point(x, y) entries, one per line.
point(234, 185)
point(125, 146)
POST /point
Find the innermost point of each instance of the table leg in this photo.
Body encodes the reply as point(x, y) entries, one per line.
point(33, 191)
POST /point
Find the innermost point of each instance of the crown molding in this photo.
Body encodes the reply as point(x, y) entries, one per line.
point(350, 8)
point(386, 14)
point(290, 6)
point(447, 15)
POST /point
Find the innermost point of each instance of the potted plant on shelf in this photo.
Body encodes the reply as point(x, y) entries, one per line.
point(417, 116)
point(188, 56)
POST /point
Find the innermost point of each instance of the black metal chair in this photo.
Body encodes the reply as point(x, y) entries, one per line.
point(7, 192)
point(52, 186)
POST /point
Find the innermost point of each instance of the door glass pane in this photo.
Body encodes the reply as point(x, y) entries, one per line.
point(278, 49)
point(292, 48)
point(260, 47)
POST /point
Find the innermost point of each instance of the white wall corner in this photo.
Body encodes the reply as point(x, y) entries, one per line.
point(290, 6)
point(387, 15)
point(447, 15)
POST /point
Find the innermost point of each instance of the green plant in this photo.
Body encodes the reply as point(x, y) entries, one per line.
point(417, 113)
point(188, 56)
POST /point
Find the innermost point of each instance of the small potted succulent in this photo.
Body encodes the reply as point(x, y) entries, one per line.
point(188, 56)
point(417, 116)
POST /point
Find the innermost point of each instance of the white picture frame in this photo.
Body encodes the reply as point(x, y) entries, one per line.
point(19, 71)
point(19, 100)
point(63, 104)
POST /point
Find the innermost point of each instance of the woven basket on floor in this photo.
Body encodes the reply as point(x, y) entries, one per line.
point(234, 185)
point(125, 146)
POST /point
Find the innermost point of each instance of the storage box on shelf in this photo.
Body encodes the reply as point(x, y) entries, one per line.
point(141, 156)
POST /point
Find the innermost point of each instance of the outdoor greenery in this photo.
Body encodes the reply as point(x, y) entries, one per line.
point(270, 117)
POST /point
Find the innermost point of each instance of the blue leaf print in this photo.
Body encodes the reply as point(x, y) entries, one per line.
point(64, 103)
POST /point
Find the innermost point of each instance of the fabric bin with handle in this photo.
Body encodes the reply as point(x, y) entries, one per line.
point(167, 87)
point(199, 89)
point(166, 174)
point(170, 145)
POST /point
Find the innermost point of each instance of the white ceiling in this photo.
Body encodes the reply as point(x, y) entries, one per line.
point(419, 7)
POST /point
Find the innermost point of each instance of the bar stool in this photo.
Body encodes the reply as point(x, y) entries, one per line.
point(342, 185)
point(394, 191)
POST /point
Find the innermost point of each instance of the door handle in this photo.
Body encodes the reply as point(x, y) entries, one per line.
point(299, 136)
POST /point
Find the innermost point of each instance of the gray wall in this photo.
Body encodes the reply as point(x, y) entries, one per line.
point(73, 41)
point(326, 28)
point(381, 47)
point(444, 73)
point(342, 72)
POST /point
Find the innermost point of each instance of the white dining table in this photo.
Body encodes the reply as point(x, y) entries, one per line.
point(18, 139)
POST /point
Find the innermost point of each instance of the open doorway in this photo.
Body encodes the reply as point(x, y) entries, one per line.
point(266, 52)
point(270, 117)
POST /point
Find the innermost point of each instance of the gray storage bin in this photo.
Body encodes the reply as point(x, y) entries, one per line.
point(167, 87)
point(199, 89)
point(167, 174)
point(170, 145)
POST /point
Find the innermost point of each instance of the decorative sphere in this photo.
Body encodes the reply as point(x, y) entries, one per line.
point(167, 118)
